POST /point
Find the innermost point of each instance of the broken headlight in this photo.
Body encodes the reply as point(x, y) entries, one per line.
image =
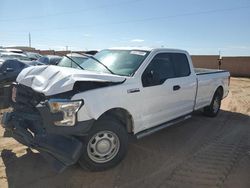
point(68, 108)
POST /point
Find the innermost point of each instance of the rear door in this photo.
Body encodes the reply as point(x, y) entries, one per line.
point(168, 88)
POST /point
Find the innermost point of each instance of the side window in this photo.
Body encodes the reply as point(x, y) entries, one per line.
point(181, 64)
point(158, 70)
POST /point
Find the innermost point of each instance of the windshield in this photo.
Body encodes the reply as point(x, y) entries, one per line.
point(120, 62)
point(66, 62)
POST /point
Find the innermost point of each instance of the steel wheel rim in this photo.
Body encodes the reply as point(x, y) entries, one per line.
point(216, 104)
point(103, 146)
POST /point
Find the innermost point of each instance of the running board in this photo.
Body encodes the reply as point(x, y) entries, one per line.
point(162, 126)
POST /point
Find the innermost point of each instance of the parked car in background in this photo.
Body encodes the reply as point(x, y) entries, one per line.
point(11, 55)
point(10, 69)
point(14, 50)
point(71, 59)
point(11, 64)
point(33, 56)
point(49, 59)
point(2, 50)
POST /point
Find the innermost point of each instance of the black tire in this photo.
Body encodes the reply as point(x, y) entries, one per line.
point(104, 126)
point(213, 109)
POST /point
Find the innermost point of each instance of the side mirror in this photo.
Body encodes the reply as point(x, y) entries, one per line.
point(150, 74)
point(153, 76)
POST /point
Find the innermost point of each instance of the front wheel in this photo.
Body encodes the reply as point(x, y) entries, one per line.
point(213, 109)
point(105, 146)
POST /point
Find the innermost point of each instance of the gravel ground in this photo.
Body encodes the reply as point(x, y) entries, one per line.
point(200, 152)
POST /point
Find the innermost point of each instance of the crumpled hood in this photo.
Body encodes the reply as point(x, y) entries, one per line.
point(51, 80)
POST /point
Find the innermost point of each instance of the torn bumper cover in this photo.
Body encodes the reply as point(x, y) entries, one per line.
point(59, 145)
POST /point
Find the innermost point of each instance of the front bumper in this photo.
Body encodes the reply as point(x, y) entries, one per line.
point(59, 145)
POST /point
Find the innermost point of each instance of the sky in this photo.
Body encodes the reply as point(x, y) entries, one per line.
point(198, 26)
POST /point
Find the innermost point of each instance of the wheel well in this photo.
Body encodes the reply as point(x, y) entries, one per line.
point(122, 115)
point(220, 90)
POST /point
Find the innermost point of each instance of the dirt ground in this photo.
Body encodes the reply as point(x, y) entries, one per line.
point(201, 152)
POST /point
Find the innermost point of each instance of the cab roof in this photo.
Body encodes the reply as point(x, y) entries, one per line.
point(147, 49)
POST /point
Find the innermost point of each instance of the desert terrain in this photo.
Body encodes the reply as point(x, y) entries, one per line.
point(200, 152)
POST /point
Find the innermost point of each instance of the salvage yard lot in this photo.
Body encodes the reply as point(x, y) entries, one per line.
point(201, 152)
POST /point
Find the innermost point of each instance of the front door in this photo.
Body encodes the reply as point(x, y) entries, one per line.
point(168, 88)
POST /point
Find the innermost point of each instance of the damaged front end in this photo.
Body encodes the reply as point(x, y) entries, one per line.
point(45, 118)
point(48, 126)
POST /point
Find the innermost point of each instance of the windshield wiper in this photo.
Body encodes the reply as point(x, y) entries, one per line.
point(71, 60)
point(91, 57)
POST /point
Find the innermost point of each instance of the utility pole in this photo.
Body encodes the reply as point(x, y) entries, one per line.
point(29, 40)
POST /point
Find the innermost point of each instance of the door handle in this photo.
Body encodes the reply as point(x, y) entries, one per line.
point(176, 87)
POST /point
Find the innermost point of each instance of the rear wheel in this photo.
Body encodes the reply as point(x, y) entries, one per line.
point(213, 109)
point(105, 146)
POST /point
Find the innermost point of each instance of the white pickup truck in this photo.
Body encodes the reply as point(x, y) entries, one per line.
point(87, 116)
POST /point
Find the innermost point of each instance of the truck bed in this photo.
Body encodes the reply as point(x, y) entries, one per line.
point(208, 81)
point(200, 71)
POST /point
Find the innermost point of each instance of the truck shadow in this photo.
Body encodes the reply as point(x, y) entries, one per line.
point(146, 157)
